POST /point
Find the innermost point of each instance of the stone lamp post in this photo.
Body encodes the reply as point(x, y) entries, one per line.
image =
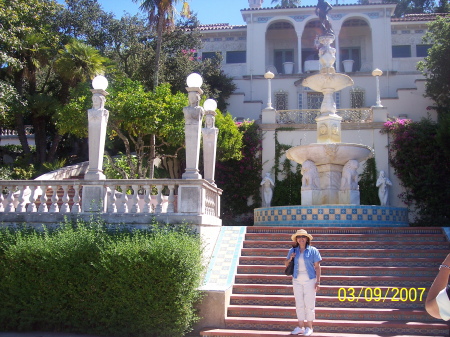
point(210, 133)
point(94, 196)
point(377, 73)
point(193, 115)
point(269, 75)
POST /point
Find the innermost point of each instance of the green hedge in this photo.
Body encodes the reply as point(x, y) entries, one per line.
point(86, 279)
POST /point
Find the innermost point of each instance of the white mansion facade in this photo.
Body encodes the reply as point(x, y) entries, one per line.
point(284, 41)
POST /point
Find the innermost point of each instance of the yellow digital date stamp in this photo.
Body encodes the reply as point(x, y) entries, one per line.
point(393, 294)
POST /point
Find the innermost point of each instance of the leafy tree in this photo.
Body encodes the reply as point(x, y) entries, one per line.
point(413, 7)
point(435, 66)
point(86, 21)
point(367, 184)
point(240, 178)
point(28, 38)
point(424, 175)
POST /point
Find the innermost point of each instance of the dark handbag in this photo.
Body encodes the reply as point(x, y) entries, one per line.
point(290, 268)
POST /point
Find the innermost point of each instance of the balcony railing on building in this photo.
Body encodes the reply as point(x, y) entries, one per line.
point(308, 116)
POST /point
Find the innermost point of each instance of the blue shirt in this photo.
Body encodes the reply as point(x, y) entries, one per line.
point(311, 255)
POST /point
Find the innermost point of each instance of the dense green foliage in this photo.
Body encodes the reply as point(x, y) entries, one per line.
point(87, 279)
point(367, 184)
point(240, 179)
point(287, 191)
point(423, 167)
point(49, 54)
point(435, 66)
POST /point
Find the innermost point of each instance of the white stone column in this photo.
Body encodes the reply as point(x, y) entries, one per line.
point(210, 133)
point(299, 52)
point(193, 115)
point(94, 196)
point(98, 120)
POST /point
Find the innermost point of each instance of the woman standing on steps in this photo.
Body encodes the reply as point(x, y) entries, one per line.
point(305, 280)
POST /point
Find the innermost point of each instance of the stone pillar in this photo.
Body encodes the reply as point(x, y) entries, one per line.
point(94, 196)
point(210, 133)
point(98, 119)
point(193, 115)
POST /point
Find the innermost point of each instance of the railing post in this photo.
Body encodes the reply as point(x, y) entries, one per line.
point(31, 208)
point(76, 208)
point(43, 199)
point(135, 199)
point(21, 205)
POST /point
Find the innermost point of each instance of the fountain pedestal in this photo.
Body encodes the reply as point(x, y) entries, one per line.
point(330, 163)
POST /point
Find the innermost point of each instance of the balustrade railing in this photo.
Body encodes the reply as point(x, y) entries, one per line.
point(10, 132)
point(155, 196)
point(308, 116)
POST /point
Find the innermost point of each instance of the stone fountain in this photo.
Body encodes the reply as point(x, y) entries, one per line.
point(329, 167)
point(330, 191)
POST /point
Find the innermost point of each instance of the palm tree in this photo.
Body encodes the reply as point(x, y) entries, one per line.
point(287, 3)
point(78, 62)
point(160, 13)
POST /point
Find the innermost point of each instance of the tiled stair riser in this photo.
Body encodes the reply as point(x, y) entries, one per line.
point(331, 313)
point(436, 253)
point(388, 281)
point(349, 244)
point(355, 328)
point(346, 271)
point(350, 262)
point(330, 302)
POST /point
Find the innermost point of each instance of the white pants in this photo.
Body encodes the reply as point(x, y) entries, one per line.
point(305, 297)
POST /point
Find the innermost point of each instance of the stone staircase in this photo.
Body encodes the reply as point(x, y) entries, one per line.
point(369, 286)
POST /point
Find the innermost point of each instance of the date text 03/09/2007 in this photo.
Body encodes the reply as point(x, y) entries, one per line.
point(369, 294)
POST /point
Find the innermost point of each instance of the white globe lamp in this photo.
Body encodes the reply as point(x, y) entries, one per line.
point(210, 105)
point(194, 80)
point(100, 82)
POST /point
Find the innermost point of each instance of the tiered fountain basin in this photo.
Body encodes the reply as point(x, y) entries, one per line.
point(331, 216)
point(331, 153)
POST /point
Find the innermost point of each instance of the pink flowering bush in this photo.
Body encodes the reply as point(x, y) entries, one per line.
point(420, 163)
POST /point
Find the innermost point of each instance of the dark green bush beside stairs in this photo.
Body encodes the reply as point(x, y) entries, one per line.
point(86, 279)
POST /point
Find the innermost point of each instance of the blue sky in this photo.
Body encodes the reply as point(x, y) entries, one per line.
point(208, 11)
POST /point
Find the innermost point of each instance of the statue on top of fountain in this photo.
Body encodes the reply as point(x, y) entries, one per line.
point(322, 9)
point(327, 54)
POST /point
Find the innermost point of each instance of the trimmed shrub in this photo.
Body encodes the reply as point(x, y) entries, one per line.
point(88, 279)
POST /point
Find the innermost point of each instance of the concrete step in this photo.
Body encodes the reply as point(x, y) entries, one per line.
point(348, 261)
point(341, 326)
point(331, 313)
point(333, 290)
point(351, 252)
point(351, 245)
point(405, 237)
point(266, 333)
point(361, 281)
point(343, 300)
point(346, 270)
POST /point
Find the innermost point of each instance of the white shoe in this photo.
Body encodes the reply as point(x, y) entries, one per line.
point(297, 331)
point(308, 332)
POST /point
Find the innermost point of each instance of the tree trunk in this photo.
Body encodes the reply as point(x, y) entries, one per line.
point(158, 50)
point(151, 161)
